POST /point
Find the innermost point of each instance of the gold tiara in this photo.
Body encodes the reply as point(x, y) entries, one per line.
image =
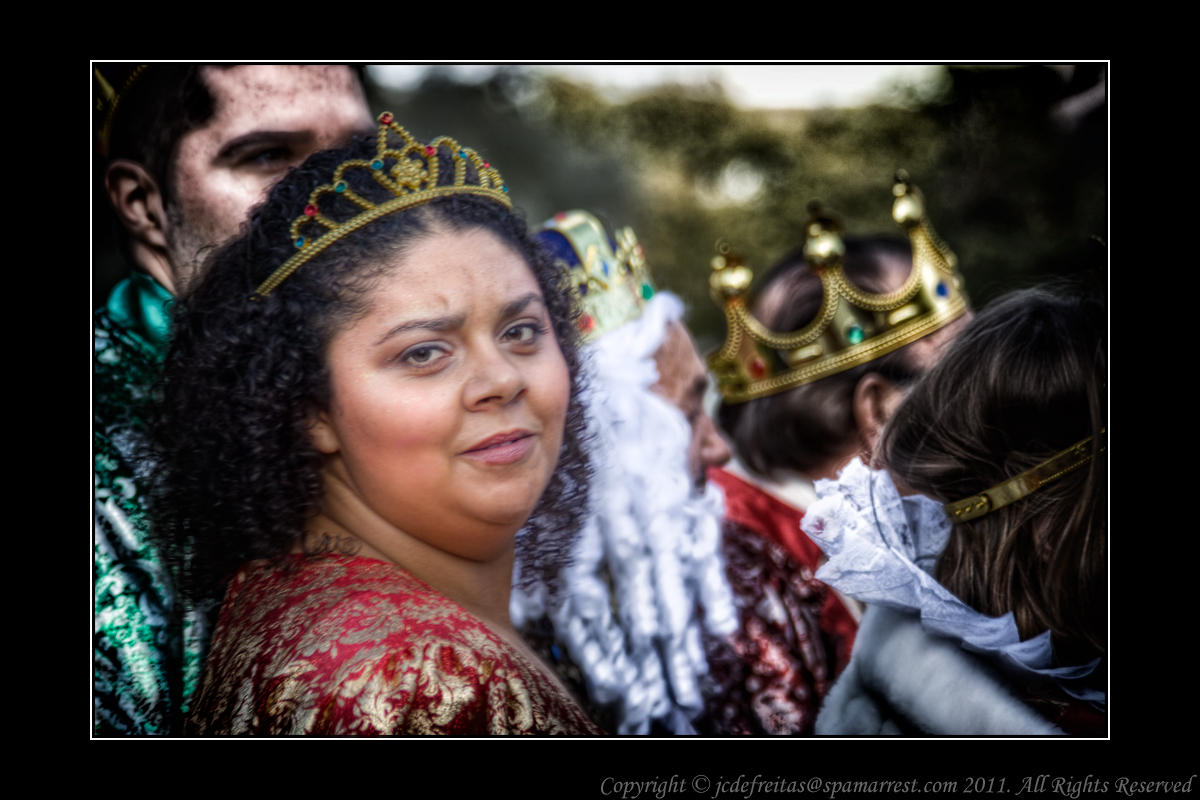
point(852, 327)
point(608, 276)
point(408, 169)
point(1026, 483)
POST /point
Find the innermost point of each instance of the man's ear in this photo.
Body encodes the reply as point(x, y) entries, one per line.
point(322, 434)
point(140, 206)
point(875, 399)
point(135, 196)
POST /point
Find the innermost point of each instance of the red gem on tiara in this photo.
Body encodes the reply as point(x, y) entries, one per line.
point(486, 165)
point(386, 118)
point(757, 367)
point(586, 323)
point(430, 149)
point(310, 210)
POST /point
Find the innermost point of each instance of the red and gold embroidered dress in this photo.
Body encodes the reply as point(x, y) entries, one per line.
point(346, 645)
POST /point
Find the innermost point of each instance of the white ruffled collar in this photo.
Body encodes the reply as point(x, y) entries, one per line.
point(882, 549)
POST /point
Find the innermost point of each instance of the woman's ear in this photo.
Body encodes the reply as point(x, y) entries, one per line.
point(322, 433)
point(875, 400)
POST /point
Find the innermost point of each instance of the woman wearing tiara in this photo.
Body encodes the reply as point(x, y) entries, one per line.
point(367, 395)
point(981, 549)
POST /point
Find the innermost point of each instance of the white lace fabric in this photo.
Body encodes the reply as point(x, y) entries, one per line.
point(882, 548)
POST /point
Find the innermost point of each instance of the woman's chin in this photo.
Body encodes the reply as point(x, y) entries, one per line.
point(512, 515)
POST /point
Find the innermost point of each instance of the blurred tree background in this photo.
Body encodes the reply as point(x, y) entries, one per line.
point(1013, 162)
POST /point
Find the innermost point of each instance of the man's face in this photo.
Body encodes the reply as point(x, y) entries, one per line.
point(266, 119)
point(682, 381)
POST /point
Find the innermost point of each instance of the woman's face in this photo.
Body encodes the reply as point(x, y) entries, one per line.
point(449, 395)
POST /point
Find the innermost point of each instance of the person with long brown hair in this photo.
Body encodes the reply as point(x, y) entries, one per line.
point(981, 550)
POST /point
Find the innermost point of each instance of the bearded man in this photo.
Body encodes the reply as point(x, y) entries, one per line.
point(626, 624)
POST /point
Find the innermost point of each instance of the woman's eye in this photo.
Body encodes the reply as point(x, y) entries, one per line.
point(525, 333)
point(422, 355)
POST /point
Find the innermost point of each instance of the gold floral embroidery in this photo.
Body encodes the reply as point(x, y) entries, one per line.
point(343, 645)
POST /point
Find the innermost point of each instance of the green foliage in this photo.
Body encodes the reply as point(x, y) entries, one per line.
point(1015, 191)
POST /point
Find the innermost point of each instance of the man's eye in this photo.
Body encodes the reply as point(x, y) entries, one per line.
point(271, 157)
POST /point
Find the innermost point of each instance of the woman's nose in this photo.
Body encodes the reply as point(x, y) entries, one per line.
point(495, 379)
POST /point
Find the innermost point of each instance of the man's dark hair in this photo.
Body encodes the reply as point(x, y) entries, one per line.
point(164, 102)
point(802, 428)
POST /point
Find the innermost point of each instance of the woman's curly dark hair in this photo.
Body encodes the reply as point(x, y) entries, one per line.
point(238, 478)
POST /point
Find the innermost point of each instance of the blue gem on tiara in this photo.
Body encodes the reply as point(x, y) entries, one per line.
point(854, 334)
point(583, 289)
point(299, 242)
point(340, 186)
point(942, 290)
point(647, 291)
point(377, 164)
point(504, 189)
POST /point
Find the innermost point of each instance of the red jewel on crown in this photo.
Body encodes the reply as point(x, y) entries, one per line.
point(758, 367)
point(386, 118)
point(310, 210)
point(586, 323)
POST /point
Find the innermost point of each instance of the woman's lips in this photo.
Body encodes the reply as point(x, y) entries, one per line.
point(503, 448)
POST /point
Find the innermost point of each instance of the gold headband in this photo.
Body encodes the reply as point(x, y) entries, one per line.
point(1027, 482)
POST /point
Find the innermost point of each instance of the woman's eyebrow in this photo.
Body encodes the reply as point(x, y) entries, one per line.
point(446, 323)
point(453, 321)
point(515, 307)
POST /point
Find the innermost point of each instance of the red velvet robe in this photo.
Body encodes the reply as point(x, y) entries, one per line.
point(795, 634)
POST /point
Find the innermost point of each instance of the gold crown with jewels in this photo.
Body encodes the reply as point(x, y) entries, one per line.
point(851, 327)
point(405, 167)
point(607, 275)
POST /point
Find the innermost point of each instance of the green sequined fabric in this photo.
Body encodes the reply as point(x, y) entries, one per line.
point(148, 650)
